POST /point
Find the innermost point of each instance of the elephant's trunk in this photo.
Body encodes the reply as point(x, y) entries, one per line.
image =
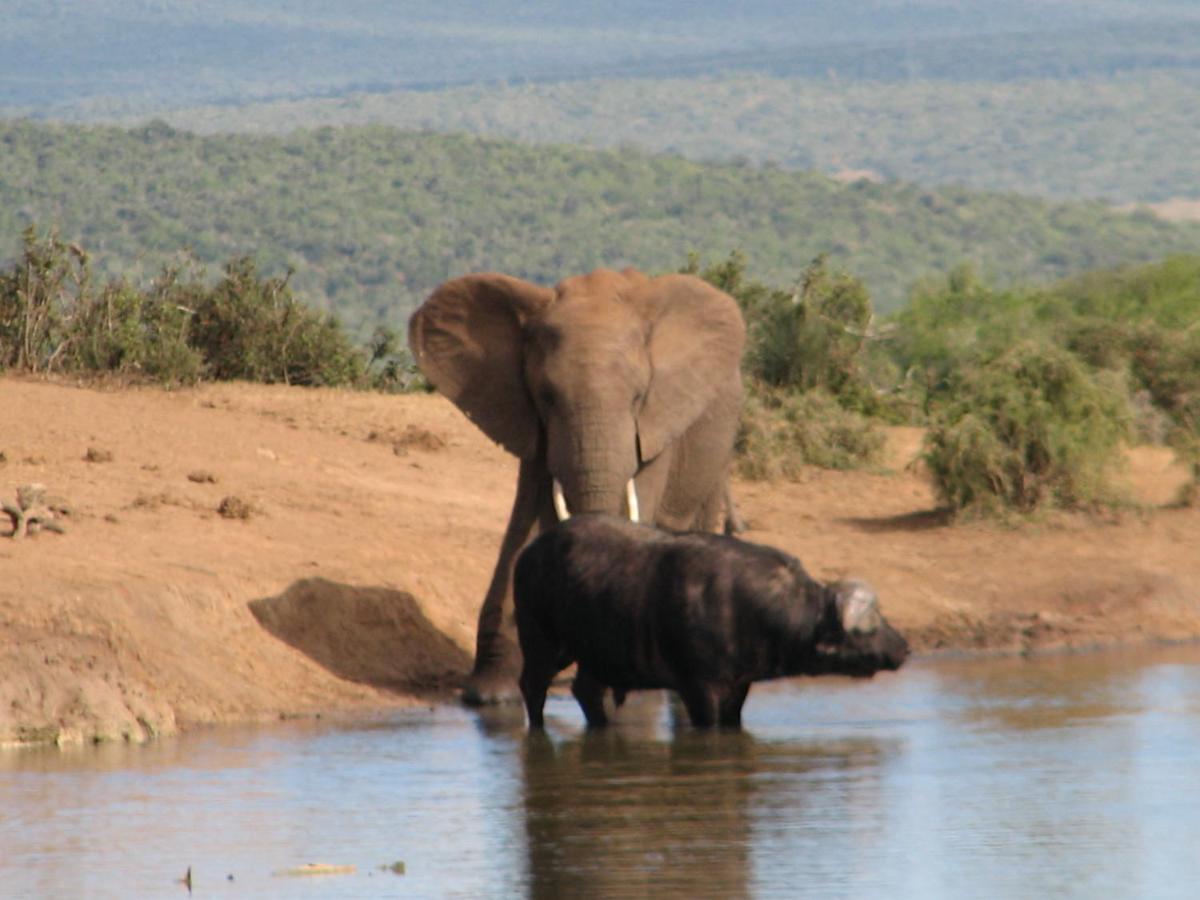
point(594, 457)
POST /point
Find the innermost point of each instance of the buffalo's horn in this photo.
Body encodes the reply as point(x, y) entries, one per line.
point(858, 606)
point(560, 503)
point(631, 499)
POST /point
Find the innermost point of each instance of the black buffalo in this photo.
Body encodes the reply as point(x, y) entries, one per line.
point(702, 614)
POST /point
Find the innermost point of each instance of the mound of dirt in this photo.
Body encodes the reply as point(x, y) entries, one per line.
point(356, 580)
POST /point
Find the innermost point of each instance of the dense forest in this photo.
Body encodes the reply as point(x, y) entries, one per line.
point(371, 218)
point(1048, 137)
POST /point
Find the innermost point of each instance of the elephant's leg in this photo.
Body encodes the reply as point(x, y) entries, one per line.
point(590, 694)
point(712, 512)
point(697, 495)
point(497, 653)
point(729, 709)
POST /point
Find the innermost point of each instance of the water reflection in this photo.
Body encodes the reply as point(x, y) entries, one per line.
point(1012, 778)
point(1057, 692)
point(610, 815)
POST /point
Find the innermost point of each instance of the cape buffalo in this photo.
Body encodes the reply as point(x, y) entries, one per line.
point(702, 614)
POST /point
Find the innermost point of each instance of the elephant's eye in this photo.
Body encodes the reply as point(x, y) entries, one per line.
point(546, 397)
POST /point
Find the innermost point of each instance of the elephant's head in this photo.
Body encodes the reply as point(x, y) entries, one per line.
point(595, 377)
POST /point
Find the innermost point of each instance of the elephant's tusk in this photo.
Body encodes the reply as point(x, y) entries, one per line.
point(560, 503)
point(563, 513)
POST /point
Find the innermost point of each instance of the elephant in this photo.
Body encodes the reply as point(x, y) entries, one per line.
point(618, 393)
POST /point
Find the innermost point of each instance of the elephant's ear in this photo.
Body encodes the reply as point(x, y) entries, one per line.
point(466, 339)
point(695, 343)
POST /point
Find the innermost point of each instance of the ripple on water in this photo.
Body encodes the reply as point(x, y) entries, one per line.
point(1068, 776)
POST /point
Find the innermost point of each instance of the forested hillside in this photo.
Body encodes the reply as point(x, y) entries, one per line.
point(372, 218)
point(1118, 139)
point(1069, 100)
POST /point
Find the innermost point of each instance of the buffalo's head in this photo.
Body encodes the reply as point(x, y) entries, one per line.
point(854, 637)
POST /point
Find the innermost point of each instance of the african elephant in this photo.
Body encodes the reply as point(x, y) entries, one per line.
point(617, 392)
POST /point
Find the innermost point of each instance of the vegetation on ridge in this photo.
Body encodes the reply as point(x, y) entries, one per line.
point(370, 220)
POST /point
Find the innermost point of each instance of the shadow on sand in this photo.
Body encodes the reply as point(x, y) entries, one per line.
point(371, 635)
point(925, 520)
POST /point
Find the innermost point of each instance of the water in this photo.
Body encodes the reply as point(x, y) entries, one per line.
point(1076, 776)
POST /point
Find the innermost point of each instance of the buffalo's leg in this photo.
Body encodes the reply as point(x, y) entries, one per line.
point(700, 703)
point(535, 681)
point(729, 709)
point(590, 694)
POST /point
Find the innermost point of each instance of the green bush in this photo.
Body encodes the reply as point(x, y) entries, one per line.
point(949, 322)
point(132, 332)
point(1166, 293)
point(1024, 428)
point(1184, 437)
point(806, 366)
point(35, 301)
point(178, 330)
point(391, 367)
point(782, 431)
point(252, 328)
point(817, 336)
point(814, 337)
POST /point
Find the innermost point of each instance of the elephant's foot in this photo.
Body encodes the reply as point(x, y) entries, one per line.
point(491, 687)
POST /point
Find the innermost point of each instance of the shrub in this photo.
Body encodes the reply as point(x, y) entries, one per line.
point(806, 364)
point(782, 431)
point(179, 329)
point(391, 367)
point(1164, 292)
point(951, 321)
point(1027, 427)
point(35, 301)
point(813, 338)
point(253, 328)
point(129, 331)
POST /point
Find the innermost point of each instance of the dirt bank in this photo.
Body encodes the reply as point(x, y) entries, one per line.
point(372, 525)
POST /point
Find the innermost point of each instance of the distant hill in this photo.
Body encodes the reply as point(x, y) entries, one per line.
point(83, 57)
point(371, 218)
